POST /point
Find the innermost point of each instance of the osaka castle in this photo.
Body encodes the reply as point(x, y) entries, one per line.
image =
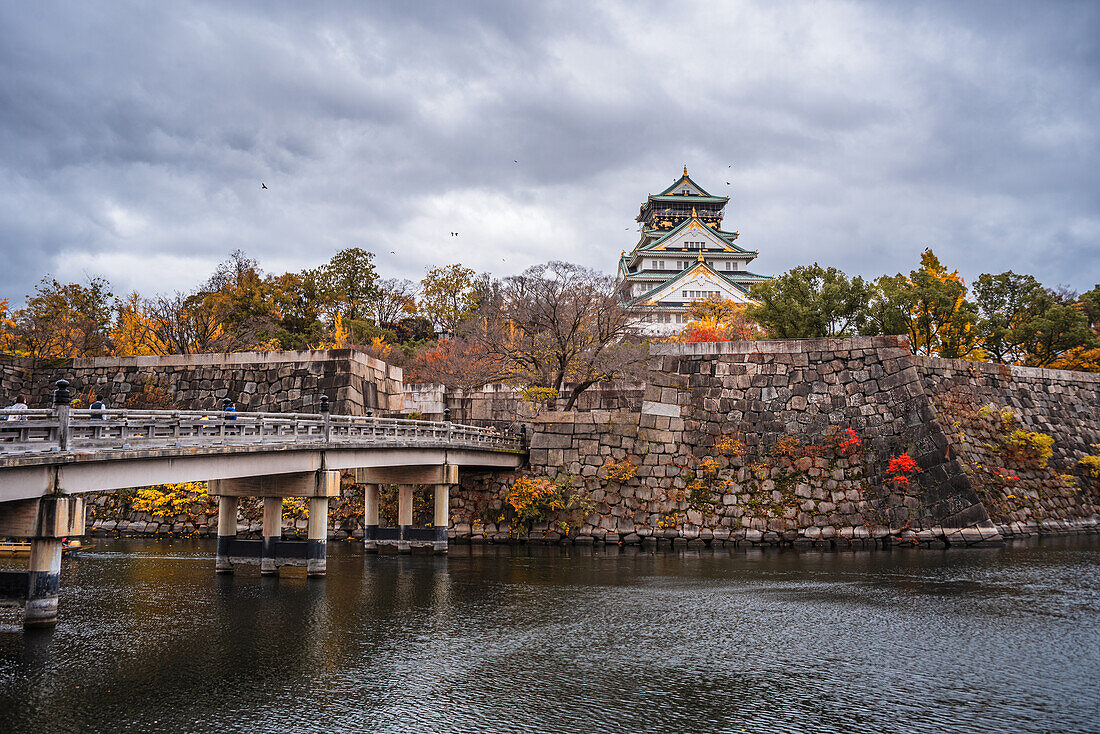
point(683, 255)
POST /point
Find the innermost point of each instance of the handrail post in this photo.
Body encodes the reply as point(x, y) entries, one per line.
point(61, 398)
point(325, 409)
point(447, 420)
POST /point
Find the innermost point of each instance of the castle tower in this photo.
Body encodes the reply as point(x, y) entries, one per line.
point(683, 255)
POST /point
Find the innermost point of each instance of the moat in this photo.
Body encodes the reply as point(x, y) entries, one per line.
point(493, 639)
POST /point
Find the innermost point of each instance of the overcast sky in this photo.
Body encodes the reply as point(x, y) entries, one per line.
point(134, 135)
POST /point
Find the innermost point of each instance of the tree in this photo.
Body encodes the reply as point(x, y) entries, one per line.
point(297, 299)
point(454, 362)
point(67, 320)
point(717, 319)
point(133, 330)
point(810, 301)
point(395, 298)
point(1006, 303)
point(348, 283)
point(1024, 323)
point(185, 324)
point(560, 323)
point(1085, 358)
point(929, 306)
point(448, 295)
point(9, 339)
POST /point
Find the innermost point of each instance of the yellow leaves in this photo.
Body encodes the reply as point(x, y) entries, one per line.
point(295, 508)
point(170, 500)
point(620, 471)
point(538, 395)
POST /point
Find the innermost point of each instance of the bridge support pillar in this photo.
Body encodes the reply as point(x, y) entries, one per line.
point(273, 532)
point(43, 583)
point(370, 516)
point(45, 521)
point(441, 517)
point(404, 517)
point(227, 531)
point(317, 539)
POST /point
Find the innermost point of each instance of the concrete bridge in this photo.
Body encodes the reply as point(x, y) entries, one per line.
point(49, 457)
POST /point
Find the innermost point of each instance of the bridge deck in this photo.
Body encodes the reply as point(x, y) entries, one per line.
point(45, 451)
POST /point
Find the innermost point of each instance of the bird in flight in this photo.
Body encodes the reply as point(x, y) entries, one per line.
point(515, 161)
point(392, 252)
point(454, 234)
point(263, 185)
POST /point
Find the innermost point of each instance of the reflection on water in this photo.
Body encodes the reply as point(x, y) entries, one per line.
point(540, 640)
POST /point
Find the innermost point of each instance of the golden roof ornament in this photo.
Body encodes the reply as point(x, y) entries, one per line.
point(701, 257)
point(685, 170)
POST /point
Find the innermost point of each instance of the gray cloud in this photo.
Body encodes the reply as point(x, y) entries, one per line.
point(134, 136)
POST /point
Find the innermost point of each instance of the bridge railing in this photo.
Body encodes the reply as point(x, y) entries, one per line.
point(37, 430)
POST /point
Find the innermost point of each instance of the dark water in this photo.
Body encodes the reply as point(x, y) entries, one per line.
point(488, 640)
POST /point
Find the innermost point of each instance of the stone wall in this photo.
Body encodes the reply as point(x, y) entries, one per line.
point(753, 442)
point(501, 405)
point(16, 378)
point(787, 442)
point(281, 382)
point(992, 414)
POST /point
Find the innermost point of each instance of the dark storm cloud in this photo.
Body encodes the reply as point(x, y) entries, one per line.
point(134, 136)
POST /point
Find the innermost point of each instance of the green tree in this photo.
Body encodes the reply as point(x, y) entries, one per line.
point(1006, 303)
point(810, 301)
point(448, 296)
point(348, 283)
point(1024, 323)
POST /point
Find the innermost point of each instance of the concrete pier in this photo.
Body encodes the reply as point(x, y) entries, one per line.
point(441, 517)
point(404, 517)
point(317, 539)
point(227, 532)
point(43, 582)
point(272, 533)
point(370, 517)
point(406, 536)
point(272, 551)
point(45, 522)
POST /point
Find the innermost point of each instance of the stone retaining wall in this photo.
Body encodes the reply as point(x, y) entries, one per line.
point(743, 442)
point(280, 382)
point(982, 407)
point(790, 442)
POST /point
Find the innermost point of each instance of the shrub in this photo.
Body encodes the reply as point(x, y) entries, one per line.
point(169, 500)
point(621, 471)
point(900, 468)
point(849, 442)
point(1091, 464)
point(728, 445)
point(534, 499)
point(1030, 448)
point(787, 446)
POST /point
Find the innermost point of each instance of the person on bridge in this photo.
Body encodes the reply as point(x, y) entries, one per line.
point(229, 409)
point(19, 404)
point(98, 409)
